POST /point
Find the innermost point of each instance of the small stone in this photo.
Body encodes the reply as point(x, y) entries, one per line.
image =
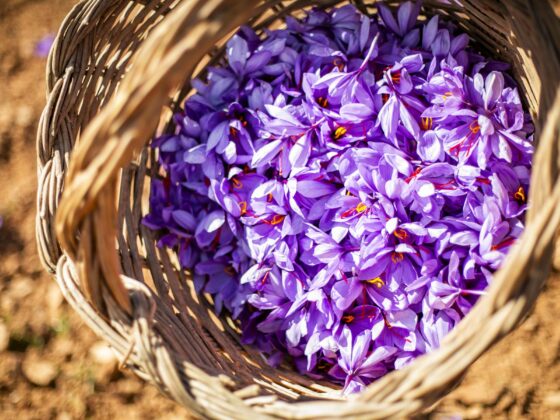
point(15, 397)
point(552, 400)
point(472, 395)
point(531, 324)
point(472, 413)
point(64, 416)
point(24, 116)
point(11, 62)
point(107, 364)
point(507, 401)
point(40, 372)
point(77, 406)
point(131, 386)
point(21, 287)
point(4, 337)
point(54, 298)
point(9, 369)
point(63, 347)
point(102, 353)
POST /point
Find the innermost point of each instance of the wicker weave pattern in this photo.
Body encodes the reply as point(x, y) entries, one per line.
point(137, 299)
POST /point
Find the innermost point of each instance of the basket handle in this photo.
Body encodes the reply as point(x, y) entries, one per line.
point(88, 204)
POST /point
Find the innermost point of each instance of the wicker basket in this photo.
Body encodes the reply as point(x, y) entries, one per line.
point(110, 75)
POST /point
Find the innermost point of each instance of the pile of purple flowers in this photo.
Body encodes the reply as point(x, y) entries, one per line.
point(345, 187)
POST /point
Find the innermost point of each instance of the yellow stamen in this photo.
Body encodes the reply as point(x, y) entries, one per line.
point(237, 184)
point(474, 127)
point(230, 270)
point(348, 193)
point(339, 132)
point(348, 318)
point(338, 63)
point(360, 208)
point(427, 123)
point(243, 207)
point(378, 281)
point(323, 102)
point(520, 196)
point(322, 365)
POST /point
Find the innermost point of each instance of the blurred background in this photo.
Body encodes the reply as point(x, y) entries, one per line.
point(53, 367)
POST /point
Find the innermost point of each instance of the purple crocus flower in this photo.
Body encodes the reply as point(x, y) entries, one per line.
point(357, 362)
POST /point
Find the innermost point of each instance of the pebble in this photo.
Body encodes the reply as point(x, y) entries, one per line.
point(472, 395)
point(39, 372)
point(4, 337)
point(9, 370)
point(102, 353)
point(54, 299)
point(472, 413)
point(531, 324)
point(21, 287)
point(24, 116)
point(63, 347)
point(130, 386)
point(107, 364)
point(552, 400)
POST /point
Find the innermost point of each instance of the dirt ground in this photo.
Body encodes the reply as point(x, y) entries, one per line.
point(53, 367)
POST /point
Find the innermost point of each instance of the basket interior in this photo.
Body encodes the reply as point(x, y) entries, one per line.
point(185, 320)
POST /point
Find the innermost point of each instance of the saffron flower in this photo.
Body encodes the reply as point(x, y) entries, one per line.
point(345, 187)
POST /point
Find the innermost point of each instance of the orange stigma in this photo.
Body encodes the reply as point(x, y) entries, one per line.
point(413, 175)
point(397, 257)
point(384, 97)
point(277, 219)
point(265, 277)
point(447, 95)
point(234, 132)
point(348, 319)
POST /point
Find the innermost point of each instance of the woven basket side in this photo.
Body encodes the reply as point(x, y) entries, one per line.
point(84, 68)
point(184, 353)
